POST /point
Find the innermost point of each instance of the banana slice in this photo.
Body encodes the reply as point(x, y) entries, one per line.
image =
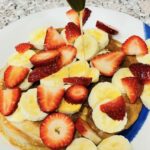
point(29, 106)
point(87, 47)
point(105, 123)
point(145, 97)
point(101, 37)
point(94, 74)
point(145, 59)
point(148, 44)
point(37, 38)
point(21, 59)
point(121, 73)
point(68, 108)
point(81, 144)
point(101, 92)
point(115, 142)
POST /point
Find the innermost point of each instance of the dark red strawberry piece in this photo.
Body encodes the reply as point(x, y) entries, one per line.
point(108, 63)
point(57, 131)
point(72, 32)
point(53, 39)
point(106, 28)
point(135, 45)
point(9, 99)
point(78, 80)
point(13, 76)
point(86, 15)
point(23, 47)
point(115, 109)
point(68, 54)
point(133, 88)
point(76, 94)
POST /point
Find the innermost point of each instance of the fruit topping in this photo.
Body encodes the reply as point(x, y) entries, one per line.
point(23, 47)
point(57, 131)
point(86, 15)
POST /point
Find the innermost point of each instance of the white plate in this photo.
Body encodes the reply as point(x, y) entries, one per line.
point(19, 32)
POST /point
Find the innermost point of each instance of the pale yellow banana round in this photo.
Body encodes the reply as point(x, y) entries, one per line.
point(94, 74)
point(145, 59)
point(81, 144)
point(116, 142)
point(101, 92)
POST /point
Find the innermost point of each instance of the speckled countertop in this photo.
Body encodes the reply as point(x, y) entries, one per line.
point(12, 10)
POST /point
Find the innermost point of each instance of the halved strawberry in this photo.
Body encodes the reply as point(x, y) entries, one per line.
point(49, 99)
point(86, 15)
point(53, 39)
point(72, 32)
point(86, 81)
point(133, 88)
point(108, 63)
point(23, 47)
point(57, 131)
point(135, 45)
point(76, 94)
point(73, 16)
point(85, 130)
point(106, 28)
point(115, 109)
point(14, 75)
point(9, 99)
point(44, 57)
point(68, 54)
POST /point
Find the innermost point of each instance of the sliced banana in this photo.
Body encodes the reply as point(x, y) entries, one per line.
point(81, 144)
point(37, 38)
point(29, 106)
point(87, 47)
point(101, 37)
point(121, 73)
point(145, 97)
point(94, 74)
point(115, 142)
point(21, 59)
point(148, 44)
point(101, 92)
point(105, 123)
point(145, 59)
point(68, 108)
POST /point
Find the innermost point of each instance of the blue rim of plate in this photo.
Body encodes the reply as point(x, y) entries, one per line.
point(131, 133)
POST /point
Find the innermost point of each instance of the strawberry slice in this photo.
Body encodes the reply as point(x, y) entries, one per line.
point(9, 100)
point(44, 57)
point(133, 88)
point(68, 54)
point(108, 63)
point(76, 94)
point(78, 80)
point(53, 39)
point(107, 28)
point(57, 131)
point(85, 130)
point(72, 32)
point(23, 47)
point(115, 109)
point(49, 99)
point(14, 75)
point(135, 45)
point(86, 15)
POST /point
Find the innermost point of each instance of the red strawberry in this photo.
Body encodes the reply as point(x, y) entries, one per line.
point(76, 94)
point(106, 28)
point(23, 47)
point(73, 16)
point(14, 75)
point(68, 53)
point(9, 99)
point(135, 45)
point(115, 109)
point(85, 130)
point(108, 63)
point(44, 57)
point(53, 39)
point(49, 99)
point(57, 131)
point(78, 80)
point(72, 32)
point(86, 15)
point(133, 88)
point(142, 71)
